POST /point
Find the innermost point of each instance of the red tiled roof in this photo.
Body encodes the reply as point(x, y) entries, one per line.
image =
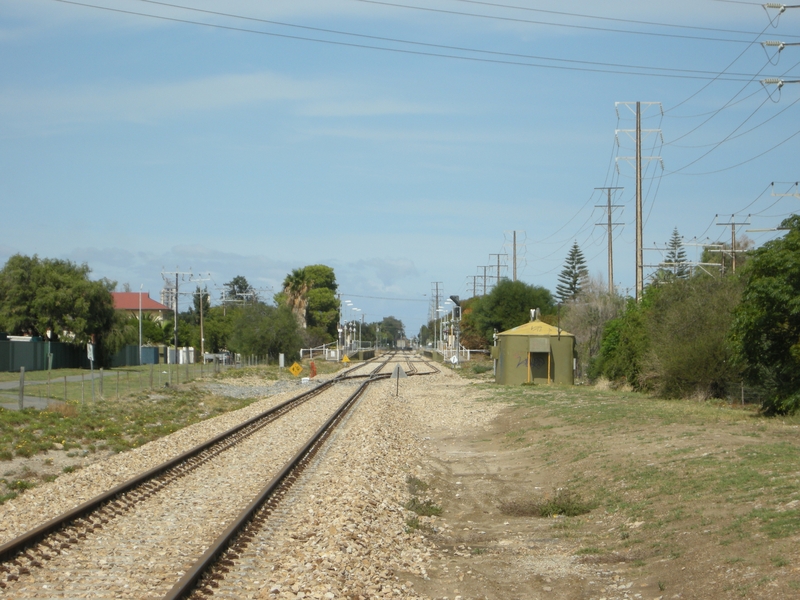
point(130, 301)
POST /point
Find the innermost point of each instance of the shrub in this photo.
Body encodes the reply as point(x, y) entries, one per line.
point(424, 508)
point(564, 502)
point(415, 485)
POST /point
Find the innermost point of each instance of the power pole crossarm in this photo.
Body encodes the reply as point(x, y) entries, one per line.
point(733, 225)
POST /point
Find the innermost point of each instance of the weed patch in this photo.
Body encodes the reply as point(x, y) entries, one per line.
point(415, 485)
point(424, 508)
point(563, 503)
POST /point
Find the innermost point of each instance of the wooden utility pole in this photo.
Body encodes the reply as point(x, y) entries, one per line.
point(178, 276)
point(498, 265)
point(609, 228)
point(733, 225)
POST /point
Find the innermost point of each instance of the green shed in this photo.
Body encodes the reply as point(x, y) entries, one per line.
point(535, 353)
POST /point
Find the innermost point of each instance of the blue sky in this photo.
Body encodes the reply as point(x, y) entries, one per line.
point(138, 145)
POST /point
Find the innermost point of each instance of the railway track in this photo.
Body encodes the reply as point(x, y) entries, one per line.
point(70, 540)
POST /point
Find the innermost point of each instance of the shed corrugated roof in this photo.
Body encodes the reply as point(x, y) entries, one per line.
point(130, 301)
point(536, 327)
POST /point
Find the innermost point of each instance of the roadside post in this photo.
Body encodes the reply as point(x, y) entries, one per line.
point(398, 374)
point(90, 355)
point(21, 387)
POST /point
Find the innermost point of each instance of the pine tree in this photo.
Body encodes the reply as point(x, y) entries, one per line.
point(572, 276)
point(676, 262)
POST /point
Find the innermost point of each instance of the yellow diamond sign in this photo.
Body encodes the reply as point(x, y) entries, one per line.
point(295, 369)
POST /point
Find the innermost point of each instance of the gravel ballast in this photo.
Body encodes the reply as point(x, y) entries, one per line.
point(342, 531)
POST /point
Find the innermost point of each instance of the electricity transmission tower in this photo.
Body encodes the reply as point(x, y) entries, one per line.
point(636, 108)
point(514, 251)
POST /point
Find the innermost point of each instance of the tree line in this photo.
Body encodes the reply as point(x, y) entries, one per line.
point(57, 301)
point(696, 332)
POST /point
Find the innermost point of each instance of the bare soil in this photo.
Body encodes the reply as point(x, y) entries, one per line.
point(683, 547)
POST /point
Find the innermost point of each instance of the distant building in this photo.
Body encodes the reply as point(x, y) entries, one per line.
point(129, 302)
point(168, 296)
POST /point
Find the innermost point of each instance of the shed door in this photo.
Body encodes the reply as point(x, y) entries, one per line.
point(538, 362)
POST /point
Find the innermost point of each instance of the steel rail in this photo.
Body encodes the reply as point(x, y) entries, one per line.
point(188, 583)
point(17, 546)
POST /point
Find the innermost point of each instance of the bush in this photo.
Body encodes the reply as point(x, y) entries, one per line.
point(424, 508)
point(767, 325)
point(688, 327)
point(563, 502)
point(676, 341)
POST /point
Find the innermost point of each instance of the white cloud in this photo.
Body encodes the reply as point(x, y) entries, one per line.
point(131, 102)
point(388, 271)
point(52, 109)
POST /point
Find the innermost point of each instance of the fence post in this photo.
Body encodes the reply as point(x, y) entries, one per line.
point(83, 398)
point(21, 388)
point(65, 388)
point(152, 366)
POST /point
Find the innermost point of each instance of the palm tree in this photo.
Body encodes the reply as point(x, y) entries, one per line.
point(296, 287)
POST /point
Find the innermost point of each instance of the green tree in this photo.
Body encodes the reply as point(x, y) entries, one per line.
point(688, 327)
point(239, 289)
point(675, 265)
point(625, 344)
point(766, 330)
point(266, 330)
point(37, 295)
point(194, 311)
point(505, 307)
point(323, 311)
point(392, 329)
point(218, 328)
point(153, 331)
point(321, 276)
point(572, 276)
point(310, 293)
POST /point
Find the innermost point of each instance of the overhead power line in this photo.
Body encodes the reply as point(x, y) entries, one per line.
point(612, 19)
point(585, 66)
point(572, 26)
